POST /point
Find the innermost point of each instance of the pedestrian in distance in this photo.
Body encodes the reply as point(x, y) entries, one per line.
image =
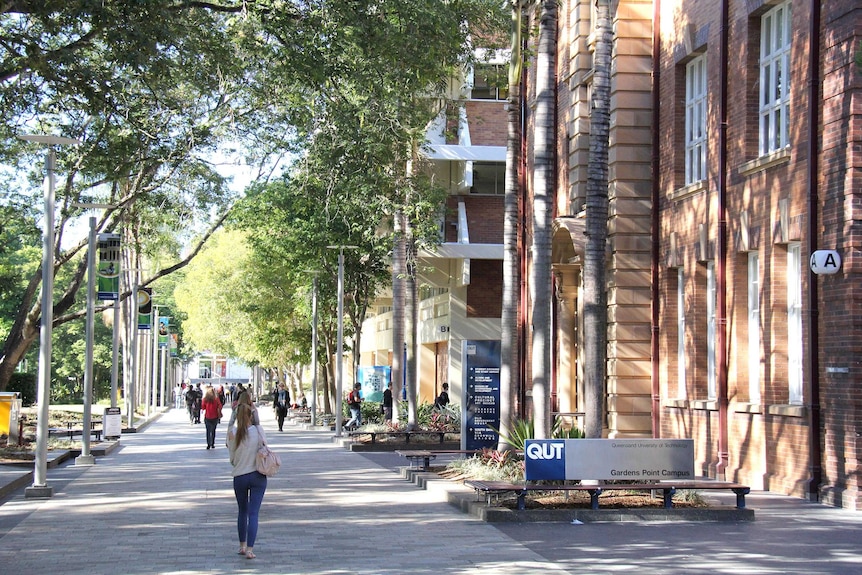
point(191, 399)
point(249, 485)
point(387, 402)
point(442, 399)
point(178, 396)
point(199, 396)
point(280, 401)
point(354, 402)
point(211, 406)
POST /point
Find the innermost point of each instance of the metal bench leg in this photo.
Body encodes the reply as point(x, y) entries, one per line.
point(522, 504)
point(667, 495)
point(427, 461)
point(740, 496)
point(594, 497)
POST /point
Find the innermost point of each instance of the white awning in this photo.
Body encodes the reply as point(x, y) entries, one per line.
point(466, 251)
point(465, 153)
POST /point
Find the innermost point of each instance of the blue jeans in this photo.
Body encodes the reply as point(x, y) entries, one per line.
point(211, 425)
point(355, 417)
point(249, 490)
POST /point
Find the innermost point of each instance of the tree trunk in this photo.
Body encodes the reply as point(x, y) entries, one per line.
point(543, 178)
point(399, 268)
point(410, 327)
point(595, 257)
point(509, 367)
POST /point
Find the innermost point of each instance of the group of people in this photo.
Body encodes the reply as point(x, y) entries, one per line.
point(355, 400)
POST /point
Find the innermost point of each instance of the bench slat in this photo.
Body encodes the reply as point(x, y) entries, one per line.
point(668, 489)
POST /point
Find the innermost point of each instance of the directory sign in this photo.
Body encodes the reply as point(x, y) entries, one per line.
point(482, 389)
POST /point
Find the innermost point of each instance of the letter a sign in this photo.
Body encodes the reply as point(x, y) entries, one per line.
point(825, 262)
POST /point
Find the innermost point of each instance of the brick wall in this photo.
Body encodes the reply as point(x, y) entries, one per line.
point(485, 292)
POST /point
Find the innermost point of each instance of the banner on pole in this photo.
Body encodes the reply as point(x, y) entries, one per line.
point(163, 332)
point(108, 269)
point(145, 308)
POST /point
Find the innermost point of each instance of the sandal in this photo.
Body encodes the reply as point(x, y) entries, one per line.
point(250, 555)
point(241, 551)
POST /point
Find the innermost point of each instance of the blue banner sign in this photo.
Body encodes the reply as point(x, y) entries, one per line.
point(482, 388)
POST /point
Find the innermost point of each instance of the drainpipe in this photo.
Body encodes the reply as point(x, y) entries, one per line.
point(721, 247)
point(814, 435)
point(655, 224)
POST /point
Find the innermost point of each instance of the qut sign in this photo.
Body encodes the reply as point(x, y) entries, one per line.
point(544, 459)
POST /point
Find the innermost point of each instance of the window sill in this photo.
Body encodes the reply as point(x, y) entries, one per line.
point(676, 403)
point(705, 405)
point(743, 407)
point(762, 163)
point(787, 410)
point(688, 190)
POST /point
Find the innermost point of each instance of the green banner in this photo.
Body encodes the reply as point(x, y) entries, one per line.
point(145, 308)
point(108, 269)
point(163, 331)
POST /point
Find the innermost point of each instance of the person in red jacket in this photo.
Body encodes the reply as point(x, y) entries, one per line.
point(211, 408)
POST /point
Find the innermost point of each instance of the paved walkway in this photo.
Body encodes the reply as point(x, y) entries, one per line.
point(164, 504)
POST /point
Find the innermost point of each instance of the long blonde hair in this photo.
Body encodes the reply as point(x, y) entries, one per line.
point(244, 420)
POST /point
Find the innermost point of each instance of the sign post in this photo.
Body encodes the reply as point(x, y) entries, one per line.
point(481, 416)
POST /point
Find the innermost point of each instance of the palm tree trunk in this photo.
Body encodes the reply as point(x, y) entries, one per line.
point(543, 178)
point(595, 257)
point(509, 369)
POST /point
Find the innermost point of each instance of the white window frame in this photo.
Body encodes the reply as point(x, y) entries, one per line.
point(695, 120)
point(711, 333)
point(775, 40)
point(794, 323)
point(682, 393)
point(754, 351)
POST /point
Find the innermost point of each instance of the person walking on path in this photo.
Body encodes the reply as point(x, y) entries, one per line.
point(354, 402)
point(249, 485)
point(280, 401)
point(191, 399)
point(211, 407)
point(387, 403)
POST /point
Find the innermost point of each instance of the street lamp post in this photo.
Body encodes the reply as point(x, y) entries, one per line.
point(314, 351)
point(40, 487)
point(339, 378)
point(313, 404)
point(86, 458)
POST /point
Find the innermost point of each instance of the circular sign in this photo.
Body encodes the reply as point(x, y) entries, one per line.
point(825, 262)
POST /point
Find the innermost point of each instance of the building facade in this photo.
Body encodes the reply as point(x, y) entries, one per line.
point(735, 154)
point(759, 153)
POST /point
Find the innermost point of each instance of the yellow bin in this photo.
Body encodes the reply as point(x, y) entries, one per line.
point(10, 409)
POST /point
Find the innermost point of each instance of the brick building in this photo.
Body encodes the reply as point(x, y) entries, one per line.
point(741, 212)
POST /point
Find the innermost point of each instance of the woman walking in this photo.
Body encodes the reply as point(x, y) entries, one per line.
point(249, 485)
point(211, 407)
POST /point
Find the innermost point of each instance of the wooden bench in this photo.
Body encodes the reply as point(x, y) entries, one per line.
point(428, 455)
point(405, 434)
point(668, 489)
point(72, 432)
